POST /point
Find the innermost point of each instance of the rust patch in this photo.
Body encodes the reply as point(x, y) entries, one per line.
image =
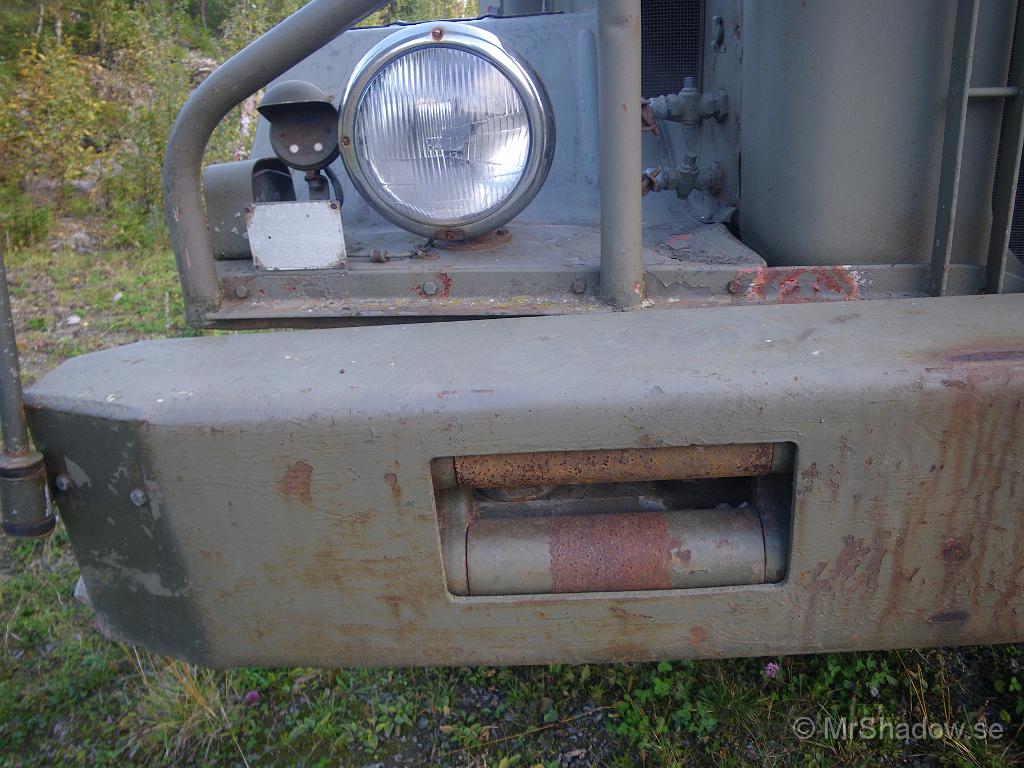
point(622, 613)
point(849, 558)
point(396, 489)
point(807, 477)
point(988, 356)
point(960, 362)
point(955, 551)
point(855, 571)
point(956, 515)
point(698, 635)
point(610, 553)
point(798, 285)
point(646, 441)
point(296, 482)
point(945, 617)
point(444, 287)
point(514, 470)
point(857, 566)
point(486, 242)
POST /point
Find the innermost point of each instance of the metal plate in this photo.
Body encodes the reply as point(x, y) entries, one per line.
point(296, 235)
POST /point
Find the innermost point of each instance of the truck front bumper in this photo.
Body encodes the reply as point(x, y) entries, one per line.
point(268, 499)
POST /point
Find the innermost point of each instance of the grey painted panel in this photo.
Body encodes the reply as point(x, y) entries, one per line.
point(842, 129)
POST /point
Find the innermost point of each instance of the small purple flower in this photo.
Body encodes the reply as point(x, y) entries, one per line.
point(251, 699)
point(771, 670)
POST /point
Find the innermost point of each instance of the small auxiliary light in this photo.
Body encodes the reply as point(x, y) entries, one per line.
point(303, 131)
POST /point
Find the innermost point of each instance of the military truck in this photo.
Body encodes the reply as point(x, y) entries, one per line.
point(643, 329)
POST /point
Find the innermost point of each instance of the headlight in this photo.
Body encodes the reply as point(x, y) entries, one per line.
point(445, 131)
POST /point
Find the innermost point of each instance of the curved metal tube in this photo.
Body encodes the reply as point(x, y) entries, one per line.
point(301, 34)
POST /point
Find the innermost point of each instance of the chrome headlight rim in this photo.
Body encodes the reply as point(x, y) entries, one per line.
point(490, 48)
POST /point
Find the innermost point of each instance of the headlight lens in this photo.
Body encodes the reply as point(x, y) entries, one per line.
point(446, 133)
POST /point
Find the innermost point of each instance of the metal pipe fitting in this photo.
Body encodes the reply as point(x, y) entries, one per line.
point(622, 268)
point(24, 501)
point(690, 106)
point(301, 34)
point(683, 179)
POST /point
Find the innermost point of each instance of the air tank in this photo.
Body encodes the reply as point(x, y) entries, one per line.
point(842, 126)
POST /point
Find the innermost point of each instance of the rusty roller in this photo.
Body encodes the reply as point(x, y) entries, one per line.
point(614, 552)
point(515, 470)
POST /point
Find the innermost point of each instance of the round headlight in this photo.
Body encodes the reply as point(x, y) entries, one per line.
point(445, 131)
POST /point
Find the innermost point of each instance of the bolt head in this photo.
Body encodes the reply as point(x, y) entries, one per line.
point(429, 288)
point(137, 497)
point(579, 286)
point(241, 291)
point(437, 33)
point(345, 141)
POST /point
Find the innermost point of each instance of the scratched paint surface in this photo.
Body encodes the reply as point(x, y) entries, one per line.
point(907, 530)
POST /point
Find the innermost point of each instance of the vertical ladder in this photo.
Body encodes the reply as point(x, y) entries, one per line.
point(1008, 164)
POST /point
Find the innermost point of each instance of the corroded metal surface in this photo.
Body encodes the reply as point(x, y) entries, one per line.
point(798, 285)
point(615, 553)
point(683, 267)
point(690, 462)
point(907, 417)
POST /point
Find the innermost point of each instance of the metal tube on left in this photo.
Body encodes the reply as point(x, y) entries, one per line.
point(304, 32)
point(24, 502)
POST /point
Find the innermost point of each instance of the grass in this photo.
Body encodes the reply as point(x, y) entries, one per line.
point(70, 697)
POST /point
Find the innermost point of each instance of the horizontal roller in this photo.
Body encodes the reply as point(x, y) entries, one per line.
point(691, 462)
point(614, 552)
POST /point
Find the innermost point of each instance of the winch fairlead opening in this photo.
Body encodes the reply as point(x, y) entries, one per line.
point(615, 520)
